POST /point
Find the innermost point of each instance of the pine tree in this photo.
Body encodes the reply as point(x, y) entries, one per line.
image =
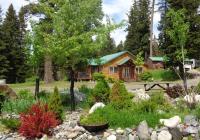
point(12, 40)
point(110, 46)
point(3, 59)
point(120, 47)
point(138, 29)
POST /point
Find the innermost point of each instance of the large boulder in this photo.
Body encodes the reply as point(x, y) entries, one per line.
point(143, 131)
point(176, 134)
point(96, 106)
point(7, 91)
point(140, 95)
point(172, 122)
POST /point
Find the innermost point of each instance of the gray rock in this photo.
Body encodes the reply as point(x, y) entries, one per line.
point(164, 135)
point(176, 134)
point(112, 137)
point(122, 137)
point(190, 130)
point(191, 120)
point(82, 137)
point(133, 137)
point(143, 131)
point(72, 135)
point(154, 136)
point(120, 131)
point(128, 131)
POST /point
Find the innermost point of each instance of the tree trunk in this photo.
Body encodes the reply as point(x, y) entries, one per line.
point(48, 70)
point(183, 76)
point(72, 89)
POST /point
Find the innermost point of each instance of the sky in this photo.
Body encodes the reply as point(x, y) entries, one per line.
point(117, 10)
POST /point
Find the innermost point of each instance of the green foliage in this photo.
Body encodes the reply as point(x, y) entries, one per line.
point(55, 104)
point(137, 39)
point(139, 61)
point(197, 111)
point(84, 89)
point(17, 106)
point(101, 91)
point(98, 76)
point(2, 99)
point(146, 76)
point(25, 94)
point(164, 75)
point(12, 124)
point(128, 117)
point(119, 96)
point(93, 119)
point(197, 88)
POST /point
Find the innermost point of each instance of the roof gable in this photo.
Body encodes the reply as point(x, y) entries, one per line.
point(105, 59)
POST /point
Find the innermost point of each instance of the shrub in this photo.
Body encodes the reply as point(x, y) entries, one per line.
point(146, 76)
point(197, 88)
point(12, 124)
point(17, 106)
point(175, 91)
point(55, 104)
point(93, 119)
point(119, 96)
point(84, 89)
point(197, 111)
point(101, 91)
point(43, 95)
point(2, 99)
point(25, 94)
point(98, 76)
point(37, 122)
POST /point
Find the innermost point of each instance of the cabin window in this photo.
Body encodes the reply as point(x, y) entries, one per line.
point(113, 70)
point(139, 70)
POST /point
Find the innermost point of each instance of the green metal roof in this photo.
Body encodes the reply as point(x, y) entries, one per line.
point(106, 59)
point(160, 59)
point(123, 61)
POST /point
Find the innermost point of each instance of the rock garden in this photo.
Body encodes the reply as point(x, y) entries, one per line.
point(106, 112)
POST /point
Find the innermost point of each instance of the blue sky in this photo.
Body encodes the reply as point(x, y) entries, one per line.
point(116, 9)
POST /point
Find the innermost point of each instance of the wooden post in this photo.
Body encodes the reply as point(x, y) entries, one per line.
point(151, 29)
point(37, 87)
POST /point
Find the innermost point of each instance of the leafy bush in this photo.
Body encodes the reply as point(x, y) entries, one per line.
point(37, 122)
point(55, 104)
point(119, 96)
point(197, 111)
point(12, 124)
point(93, 119)
point(197, 88)
point(17, 106)
point(43, 95)
point(98, 76)
point(84, 89)
point(146, 76)
point(101, 91)
point(175, 91)
point(25, 94)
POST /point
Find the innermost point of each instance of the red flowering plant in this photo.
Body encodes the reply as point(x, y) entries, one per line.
point(37, 122)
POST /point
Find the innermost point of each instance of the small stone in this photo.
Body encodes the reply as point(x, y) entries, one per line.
point(120, 131)
point(106, 134)
point(164, 135)
point(122, 137)
point(112, 137)
point(143, 131)
point(172, 122)
point(128, 131)
point(72, 135)
point(154, 135)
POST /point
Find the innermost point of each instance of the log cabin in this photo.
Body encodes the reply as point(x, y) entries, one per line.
point(117, 66)
point(155, 63)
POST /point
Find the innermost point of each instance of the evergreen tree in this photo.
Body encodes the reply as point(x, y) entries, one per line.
point(138, 29)
point(3, 59)
point(120, 47)
point(192, 17)
point(12, 40)
point(110, 46)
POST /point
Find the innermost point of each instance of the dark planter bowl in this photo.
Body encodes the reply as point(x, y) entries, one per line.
point(94, 128)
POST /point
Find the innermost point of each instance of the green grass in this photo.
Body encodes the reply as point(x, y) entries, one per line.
point(163, 75)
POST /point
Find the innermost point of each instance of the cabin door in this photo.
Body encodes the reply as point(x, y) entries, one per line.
point(126, 75)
